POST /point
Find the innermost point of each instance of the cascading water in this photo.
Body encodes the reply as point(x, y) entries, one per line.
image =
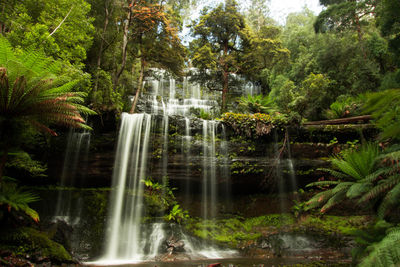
point(127, 238)
point(124, 234)
point(209, 187)
point(68, 209)
point(292, 170)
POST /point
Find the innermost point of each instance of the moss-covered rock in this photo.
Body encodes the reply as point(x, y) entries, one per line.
point(36, 244)
point(240, 232)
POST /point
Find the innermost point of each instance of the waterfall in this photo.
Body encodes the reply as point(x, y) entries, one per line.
point(292, 170)
point(186, 150)
point(123, 238)
point(209, 187)
point(128, 239)
point(76, 155)
point(225, 169)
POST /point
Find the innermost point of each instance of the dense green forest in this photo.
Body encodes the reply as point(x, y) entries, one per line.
point(351, 48)
point(62, 62)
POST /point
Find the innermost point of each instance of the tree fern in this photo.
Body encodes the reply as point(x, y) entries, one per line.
point(386, 252)
point(352, 168)
point(31, 91)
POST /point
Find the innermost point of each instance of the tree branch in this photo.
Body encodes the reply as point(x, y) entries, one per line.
point(59, 25)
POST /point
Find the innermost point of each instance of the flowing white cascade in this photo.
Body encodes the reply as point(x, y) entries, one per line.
point(209, 194)
point(124, 234)
point(155, 239)
point(127, 240)
point(76, 152)
point(183, 105)
point(292, 170)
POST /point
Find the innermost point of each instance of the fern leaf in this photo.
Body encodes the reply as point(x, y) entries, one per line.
point(386, 252)
point(358, 189)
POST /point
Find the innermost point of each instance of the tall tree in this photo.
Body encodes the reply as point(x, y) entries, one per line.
point(388, 21)
point(219, 37)
point(257, 15)
point(157, 42)
point(344, 14)
point(264, 53)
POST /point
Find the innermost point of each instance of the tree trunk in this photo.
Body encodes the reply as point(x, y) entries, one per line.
point(107, 14)
point(140, 85)
point(124, 44)
point(225, 77)
point(360, 35)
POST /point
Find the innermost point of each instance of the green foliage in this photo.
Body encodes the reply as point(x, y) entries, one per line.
point(239, 167)
point(313, 96)
point(253, 125)
point(160, 199)
point(257, 104)
point(234, 231)
point(385, 108)
point(283, 93)
point(32, 93)
point(343, 225)
point(354, 170)
point(264, 54)
point(344, 107)
point(298, 208)
point(368, 236)
point(23, 241)
point(30, 25)
point(388, 23)
point(343, 15)
point(202, 114)
point(14, 198)
point(177, 214)
point(386, 252)
point(220, 34)
point(22, 161)
point(106, 98)
point(386, 188)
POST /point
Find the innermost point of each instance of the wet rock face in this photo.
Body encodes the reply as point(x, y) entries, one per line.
point(247, 165)
point(174, 245)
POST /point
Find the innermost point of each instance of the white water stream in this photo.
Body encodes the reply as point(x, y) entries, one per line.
point(127, 239)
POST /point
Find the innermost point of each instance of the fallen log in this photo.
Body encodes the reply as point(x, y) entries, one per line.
point(351, 120)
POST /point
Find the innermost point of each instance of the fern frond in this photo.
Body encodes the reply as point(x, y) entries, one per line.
point(386, 252)
point(31, 91)
point(323, 183)
point(334, 173)
point(334, 200)
point(357, 189)
point(319, 199)
point(382, 187)
point(391, 199)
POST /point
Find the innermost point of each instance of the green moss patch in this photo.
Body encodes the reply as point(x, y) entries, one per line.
point(344, 225)
point(235, 231)
point(30, 241)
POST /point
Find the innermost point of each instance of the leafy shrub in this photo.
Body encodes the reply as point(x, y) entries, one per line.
point(344, 107)
point(253, 125)
point(257, 104)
